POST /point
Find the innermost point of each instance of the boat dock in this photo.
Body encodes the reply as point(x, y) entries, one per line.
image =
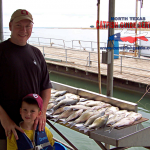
point(129, 72)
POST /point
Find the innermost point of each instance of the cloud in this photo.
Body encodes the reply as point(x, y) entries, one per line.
point(77, 13)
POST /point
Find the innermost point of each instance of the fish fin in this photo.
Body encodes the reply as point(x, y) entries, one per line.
point(72, 124)
point(79, 127)
point(68, 125)
point(109, 130)
point(86, 130)
point(64, 122)
point(50, 111)
point(54, 119)
point(82, 128)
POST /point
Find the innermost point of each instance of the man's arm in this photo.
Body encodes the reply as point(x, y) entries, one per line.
point(8, 124)
point(45, 95)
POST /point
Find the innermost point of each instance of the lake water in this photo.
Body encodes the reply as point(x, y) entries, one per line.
point(81, 141)
point(83, 37)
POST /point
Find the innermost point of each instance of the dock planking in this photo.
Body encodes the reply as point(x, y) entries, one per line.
point(133, 69)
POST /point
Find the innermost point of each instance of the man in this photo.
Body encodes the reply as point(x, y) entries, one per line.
point(23, 70)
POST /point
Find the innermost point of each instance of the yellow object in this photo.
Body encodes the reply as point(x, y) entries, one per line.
point(12, 144)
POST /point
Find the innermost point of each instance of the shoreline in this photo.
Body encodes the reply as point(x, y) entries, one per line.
point(132, 29)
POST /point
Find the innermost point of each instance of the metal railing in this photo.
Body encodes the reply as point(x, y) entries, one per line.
point(89, 59)
point(85, 55)
point(74, 44)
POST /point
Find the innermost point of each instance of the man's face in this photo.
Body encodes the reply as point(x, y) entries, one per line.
point(20, 31)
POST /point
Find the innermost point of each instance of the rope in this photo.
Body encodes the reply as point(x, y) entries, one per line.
point(147, 91)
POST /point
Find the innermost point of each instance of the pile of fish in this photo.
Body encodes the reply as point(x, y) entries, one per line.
point(87, 114)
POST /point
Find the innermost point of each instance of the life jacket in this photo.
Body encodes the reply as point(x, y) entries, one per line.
point(40, 141)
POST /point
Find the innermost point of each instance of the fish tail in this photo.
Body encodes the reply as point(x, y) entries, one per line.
point(86, 130)
point(82, 128)
point(64, 122)
point(50, 116)
point(109, 130)
point(72, 124)
point(54, 119)
point(50, 111)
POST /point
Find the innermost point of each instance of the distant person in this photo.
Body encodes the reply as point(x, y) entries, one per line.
point(23, 70)
point(31, 109)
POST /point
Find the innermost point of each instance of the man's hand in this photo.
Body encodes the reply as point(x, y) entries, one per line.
point(41, 120)
point(9, 126)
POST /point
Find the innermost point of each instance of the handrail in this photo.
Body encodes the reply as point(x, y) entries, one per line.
point(65, 50)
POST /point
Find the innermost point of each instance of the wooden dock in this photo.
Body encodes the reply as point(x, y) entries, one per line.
point(133, 69)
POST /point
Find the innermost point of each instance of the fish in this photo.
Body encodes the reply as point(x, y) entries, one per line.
point(52, 99)
point(124, 122)
point(121, 111)
point(115, 119)
point(101, 106)
point(82, 99)
point(72, 96)
point(93, 103)
point(77, 107)
point(111, 110)
point(85, 102)
point(60, 93)
point(81, 103)
point(58, 111)
point(73, 116)
point(135, 115)
point(85, 116)
point(117, 113)
point(64, 102)
point(53, 91)
point(65, 114)
point(58, 99)
point(92, 118)
point(50, 105)
point(98, 123)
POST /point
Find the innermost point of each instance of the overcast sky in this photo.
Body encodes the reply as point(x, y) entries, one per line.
point(71, 13)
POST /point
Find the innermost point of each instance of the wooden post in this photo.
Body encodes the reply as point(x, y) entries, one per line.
point(136, 14)
point(110, 45)
point(98, 45)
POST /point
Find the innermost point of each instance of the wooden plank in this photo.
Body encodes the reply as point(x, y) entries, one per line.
point(79, 59)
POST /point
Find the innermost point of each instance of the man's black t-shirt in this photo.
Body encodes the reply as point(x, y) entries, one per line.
point(23, 70)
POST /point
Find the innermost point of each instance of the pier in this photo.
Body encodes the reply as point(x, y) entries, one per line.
point(131, 73)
